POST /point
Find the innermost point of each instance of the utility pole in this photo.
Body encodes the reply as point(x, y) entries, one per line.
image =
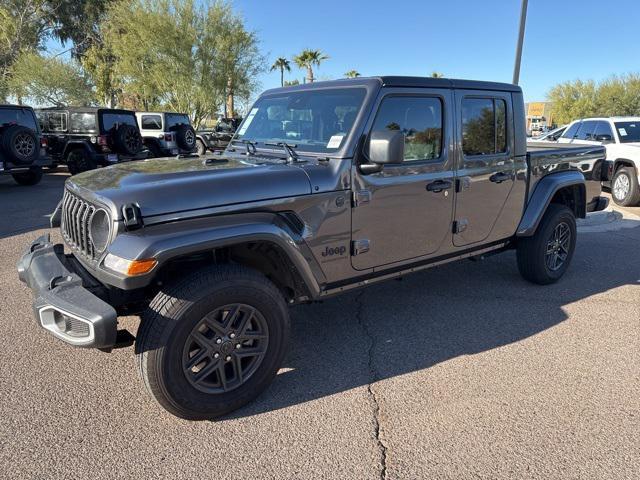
point(523, 21)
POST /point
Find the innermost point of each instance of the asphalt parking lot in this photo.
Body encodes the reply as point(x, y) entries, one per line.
point(463, 371)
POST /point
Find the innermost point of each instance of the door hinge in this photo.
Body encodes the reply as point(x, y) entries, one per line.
point(359, 246)
point(462, 184)
point(460, 226)
point(360, 197)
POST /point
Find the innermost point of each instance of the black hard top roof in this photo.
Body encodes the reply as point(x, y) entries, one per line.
point(16, 106)
point(415, 82)
point(83, 109)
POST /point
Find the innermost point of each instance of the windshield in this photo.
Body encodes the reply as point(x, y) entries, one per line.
point(628, 131)
point(174, 119)
point(312, 120)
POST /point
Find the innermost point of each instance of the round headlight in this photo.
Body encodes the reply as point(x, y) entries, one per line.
point(100, 229)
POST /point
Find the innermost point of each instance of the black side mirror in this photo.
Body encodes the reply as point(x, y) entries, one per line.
point(384, 147)
point(603, 138)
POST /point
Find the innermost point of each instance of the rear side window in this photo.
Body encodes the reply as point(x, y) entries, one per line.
point(56, 122)
point(484, 126)
point(18, 116)
point(82, 123)
point(585, 132)
point(151, 122)
point(602, 128)
point(571, 131)
point(419, 119)
point(111, 120)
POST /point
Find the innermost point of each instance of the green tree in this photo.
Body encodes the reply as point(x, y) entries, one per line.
point(352, 74)
point(291, 83)
point(281, 64)
point(307, 59)
point(49, 81)
point(435, 74)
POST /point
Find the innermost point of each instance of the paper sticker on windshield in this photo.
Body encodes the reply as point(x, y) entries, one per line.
point(623, 132)
point(335, 141)
point(248, 121)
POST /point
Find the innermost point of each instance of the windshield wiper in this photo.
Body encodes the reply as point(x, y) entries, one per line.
point(292, 156)
point(250, 146)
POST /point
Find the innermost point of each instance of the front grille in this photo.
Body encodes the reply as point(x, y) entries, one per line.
point(76, 215)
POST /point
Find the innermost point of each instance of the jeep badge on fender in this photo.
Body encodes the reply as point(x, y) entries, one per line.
point(330, 252)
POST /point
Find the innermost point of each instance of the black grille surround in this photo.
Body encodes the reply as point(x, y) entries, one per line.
point(74, 225)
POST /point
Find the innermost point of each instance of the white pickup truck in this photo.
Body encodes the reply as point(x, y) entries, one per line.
point(621, 137)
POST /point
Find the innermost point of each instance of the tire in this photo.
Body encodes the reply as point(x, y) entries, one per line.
point(624, 187)
point(200, 147)
point(32, 177)
point(185, 137)
point(79, 161)
point(127, 140)
point(154, 150)
point(533, 263)
point(164, 342)
point(20, 145)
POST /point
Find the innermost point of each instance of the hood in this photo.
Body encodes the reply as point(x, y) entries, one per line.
point(169, 185)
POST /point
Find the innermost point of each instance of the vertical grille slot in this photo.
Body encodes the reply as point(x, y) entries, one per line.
point(76, 215)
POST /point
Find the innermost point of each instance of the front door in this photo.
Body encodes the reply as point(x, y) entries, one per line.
point(486, 168)
point(405, 211)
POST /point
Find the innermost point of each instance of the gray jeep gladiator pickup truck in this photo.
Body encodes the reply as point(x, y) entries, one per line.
point(325, 187)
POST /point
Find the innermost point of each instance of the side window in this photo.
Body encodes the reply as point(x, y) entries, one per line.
point(484, 126)
point(57, 122)
point(419, 119)
point(571, 131)
point(151, 122)
point(42, 120)
point(603, 128)
point(585, 132)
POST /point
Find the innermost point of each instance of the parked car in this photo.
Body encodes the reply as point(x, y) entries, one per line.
point(550, 136)
point(22, 147)
point(326, 187)
point(621, 137)
point(88, 137)
point(217, 138)
point(166, 133)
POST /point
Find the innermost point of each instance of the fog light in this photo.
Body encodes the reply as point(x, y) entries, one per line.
point(129, 267)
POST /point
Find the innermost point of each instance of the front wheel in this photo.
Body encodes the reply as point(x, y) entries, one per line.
point(544, 257)
point(213, 341)
point(29, 178)
point(624, 187)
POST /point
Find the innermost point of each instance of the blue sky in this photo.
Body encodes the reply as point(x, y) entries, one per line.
point(474, 39)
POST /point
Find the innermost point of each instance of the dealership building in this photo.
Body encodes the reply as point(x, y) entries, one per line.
point(539, 116)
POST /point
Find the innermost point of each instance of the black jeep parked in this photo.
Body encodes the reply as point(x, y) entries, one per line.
point(88, 137)
point(22, 147)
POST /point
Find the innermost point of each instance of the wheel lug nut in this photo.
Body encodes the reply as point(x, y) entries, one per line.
point(233, 335)
point(239, 345)
point(227, 358)
point(218, 341)
point(216, 355)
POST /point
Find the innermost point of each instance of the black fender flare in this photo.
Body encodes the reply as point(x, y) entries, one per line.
point(166, 242)
point(74, 145)
point(542, 195)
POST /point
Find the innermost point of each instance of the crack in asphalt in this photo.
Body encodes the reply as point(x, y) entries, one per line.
point(371, 391)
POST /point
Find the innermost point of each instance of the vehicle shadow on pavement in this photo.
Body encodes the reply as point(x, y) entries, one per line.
point(27, 208)
point(405, 326)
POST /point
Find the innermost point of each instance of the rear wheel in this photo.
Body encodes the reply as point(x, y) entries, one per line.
point(544, 257)
point(200, 147)
point(624, 187)
point(212, 342)
point(32, 177)
point(79, 161)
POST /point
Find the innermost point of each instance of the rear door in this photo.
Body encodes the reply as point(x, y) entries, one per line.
point(486, 166)
point(404, 211)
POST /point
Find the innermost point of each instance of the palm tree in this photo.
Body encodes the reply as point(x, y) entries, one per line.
point(352, 74)
point(437, 75)
point(308, 59)
point(281, 64)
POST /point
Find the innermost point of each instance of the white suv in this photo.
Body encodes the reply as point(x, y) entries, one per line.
point(166, 133)
point(621, 137)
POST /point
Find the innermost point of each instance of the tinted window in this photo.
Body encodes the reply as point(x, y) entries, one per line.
point(585, 132)
point(56, 122)
point(571, 131)
point(484, 126)
point(18, 116)
point(602, 128)
point(112, 120)
point(82, 123)
point(628, 131)
point(419, 119)
point(316, 120)
point(151, 122)
point(175, 119)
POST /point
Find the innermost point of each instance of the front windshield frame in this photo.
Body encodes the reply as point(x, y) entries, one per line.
point(316, 148)
point(627, 127)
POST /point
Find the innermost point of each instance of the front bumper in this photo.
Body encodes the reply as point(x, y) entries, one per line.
point(62, 305)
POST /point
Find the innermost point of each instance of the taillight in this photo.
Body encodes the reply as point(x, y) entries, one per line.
point(168, 137)
point(102, 141)
point(43, 142)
